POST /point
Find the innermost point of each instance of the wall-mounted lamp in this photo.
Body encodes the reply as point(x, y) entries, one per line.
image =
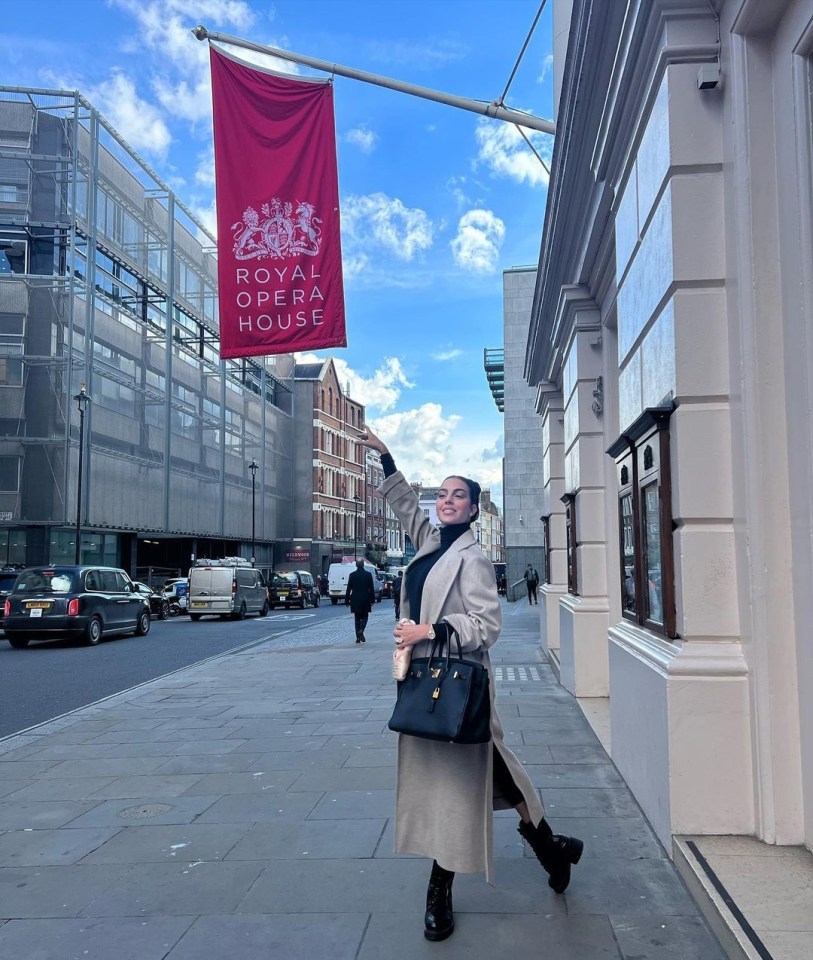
point(520, 518)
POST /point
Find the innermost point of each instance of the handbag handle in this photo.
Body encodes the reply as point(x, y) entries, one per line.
point(436, 641)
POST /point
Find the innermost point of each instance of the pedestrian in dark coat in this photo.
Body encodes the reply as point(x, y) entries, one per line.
point(446, 792)
point(360, 596)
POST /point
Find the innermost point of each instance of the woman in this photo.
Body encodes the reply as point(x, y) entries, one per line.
point(446, 792)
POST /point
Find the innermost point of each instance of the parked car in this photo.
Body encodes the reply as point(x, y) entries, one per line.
point(84, 602)
point(386, 585)
point(159, 605)
point(8, 576)
point(293, 588)
point(226, 588)
point(176, 591)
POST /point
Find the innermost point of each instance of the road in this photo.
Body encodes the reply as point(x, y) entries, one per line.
point(51, 678)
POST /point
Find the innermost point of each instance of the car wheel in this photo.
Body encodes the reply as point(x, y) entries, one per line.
point(334, 600)
point(93, 631)
point(264, 610)
point(142, 624)
point(163, 613)
point(241, 613)
point(194, 616)
point(19, 643)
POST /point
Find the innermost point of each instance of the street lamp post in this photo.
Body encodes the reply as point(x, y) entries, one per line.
point(356, 502)
point(82, 400)
point(253, 467)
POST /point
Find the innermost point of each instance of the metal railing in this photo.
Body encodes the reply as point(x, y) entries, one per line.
point(512, 590)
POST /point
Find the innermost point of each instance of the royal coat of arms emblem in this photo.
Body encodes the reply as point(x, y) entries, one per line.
point(283, 230)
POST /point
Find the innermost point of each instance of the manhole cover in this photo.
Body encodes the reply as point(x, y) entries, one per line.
point(144, 810)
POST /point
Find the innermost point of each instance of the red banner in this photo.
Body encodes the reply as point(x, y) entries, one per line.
point(278, 243)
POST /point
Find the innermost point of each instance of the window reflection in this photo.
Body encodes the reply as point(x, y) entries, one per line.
point(628, 555)
point(652, 542)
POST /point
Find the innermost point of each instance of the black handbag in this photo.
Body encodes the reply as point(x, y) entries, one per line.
point(444, 698)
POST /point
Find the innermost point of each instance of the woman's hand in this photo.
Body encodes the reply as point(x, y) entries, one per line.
point(408, 634)
point(369, 439)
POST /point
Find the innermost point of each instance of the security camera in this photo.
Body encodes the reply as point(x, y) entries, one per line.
point(520, 518)
point(708, 76)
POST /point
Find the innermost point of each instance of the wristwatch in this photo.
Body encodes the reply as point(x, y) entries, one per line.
point(431, 634)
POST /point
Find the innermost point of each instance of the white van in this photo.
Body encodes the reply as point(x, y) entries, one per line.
point(226, 588)
point(337, 580)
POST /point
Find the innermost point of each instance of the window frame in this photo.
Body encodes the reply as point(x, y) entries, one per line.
point(546, 548)
point(644, 451)
point(571, 544)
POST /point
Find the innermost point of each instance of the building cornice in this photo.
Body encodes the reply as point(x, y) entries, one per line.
point(589, 64)
point(656, 35)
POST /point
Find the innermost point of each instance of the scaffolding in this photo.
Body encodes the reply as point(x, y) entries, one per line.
point(108, 279)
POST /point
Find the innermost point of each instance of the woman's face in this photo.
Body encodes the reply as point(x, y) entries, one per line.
point(453, 503)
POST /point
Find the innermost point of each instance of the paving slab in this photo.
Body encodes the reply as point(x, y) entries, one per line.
point(32, 848)
point(92, 939)
point(168, 844)
point(190, 888)
point(55, 891)
point(321, 935)
point(665, 938)
point(156, 809)
point(310, 840)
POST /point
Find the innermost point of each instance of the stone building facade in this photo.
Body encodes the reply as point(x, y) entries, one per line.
point(671, 351)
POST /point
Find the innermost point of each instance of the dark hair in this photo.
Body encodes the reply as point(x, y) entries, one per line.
point(474, 493)
point(359, 564)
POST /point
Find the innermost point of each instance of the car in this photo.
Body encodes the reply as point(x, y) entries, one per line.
point(386, 585)
point(337, 579)
point(293, 588)
point(176, 591)
point(8, 575)
point(83, 602)
point(159, 605)
point(230, 587)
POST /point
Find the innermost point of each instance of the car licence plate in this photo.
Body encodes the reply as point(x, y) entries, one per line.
point(35, 611)
point(282, 596)
point(198, 604)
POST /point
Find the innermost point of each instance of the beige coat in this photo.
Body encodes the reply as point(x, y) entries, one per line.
point(444, 791)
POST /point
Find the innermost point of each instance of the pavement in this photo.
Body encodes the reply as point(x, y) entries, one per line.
point(243, 808)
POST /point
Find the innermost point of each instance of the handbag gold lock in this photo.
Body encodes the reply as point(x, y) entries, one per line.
point(436, 693)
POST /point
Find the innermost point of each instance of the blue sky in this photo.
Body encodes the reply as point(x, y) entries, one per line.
point(436, 202)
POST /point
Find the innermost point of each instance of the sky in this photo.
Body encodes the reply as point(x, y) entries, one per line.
point(435, 201)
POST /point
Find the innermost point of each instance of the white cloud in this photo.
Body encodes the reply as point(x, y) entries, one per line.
point(381, 391)
point(429, 444)
point(547, 63)
point(380, 221)
point(452, 354)
point(506, 154)
point(138, 121)
point(476, 247)
point(182, 84)
point(363, 138)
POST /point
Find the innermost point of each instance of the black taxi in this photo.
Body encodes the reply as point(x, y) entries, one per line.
point(73, 602)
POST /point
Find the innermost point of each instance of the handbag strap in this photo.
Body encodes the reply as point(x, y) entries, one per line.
point(436, 642)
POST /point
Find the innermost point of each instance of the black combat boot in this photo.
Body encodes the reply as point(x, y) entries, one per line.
point(439, 919)
point(556, 853)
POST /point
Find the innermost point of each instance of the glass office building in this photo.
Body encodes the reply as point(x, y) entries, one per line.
point(108, 280)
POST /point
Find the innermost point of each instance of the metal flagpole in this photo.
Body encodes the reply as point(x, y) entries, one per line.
point(495, 110)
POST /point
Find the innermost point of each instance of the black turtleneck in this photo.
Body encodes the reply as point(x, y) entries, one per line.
point(420, 569)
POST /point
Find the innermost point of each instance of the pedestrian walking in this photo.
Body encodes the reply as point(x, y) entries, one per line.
point(360, 596)
point(396, 593)
point(532, 582)
point(446, 792)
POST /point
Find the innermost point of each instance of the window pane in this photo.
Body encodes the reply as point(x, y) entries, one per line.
point(627, 554)
point(652, 544)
